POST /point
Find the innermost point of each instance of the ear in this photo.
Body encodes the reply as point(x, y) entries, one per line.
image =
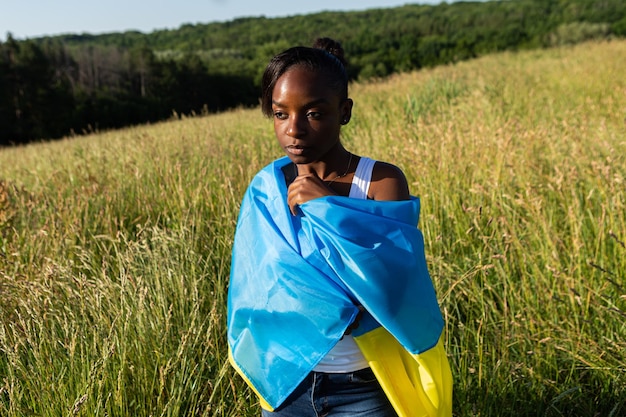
point(346, 111)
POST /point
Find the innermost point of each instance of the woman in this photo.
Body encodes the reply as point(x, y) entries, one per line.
point(330, 295)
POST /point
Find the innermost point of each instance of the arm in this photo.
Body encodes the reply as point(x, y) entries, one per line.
point(388, 183)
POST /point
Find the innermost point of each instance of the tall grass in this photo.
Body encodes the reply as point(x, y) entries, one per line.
point(115, 248)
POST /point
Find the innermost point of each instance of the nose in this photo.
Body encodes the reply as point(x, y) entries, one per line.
point(296, 126)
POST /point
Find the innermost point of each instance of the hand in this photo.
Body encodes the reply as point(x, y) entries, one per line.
point(306, 187)
point(356, 321)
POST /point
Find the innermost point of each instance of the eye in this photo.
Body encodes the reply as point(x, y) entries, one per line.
point(280, 115)
point(315, 115)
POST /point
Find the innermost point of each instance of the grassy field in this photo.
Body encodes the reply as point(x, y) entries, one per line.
point(115, 247)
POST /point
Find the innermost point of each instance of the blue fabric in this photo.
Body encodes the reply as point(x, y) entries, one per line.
point(296, 281)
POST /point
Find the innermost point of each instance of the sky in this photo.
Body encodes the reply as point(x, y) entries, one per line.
point(34, 18)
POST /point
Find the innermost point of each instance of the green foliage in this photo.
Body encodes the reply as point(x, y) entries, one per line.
point(75, 83)
point(137, 288)
point(619, 28)
point(573, 33)
point(115, 247)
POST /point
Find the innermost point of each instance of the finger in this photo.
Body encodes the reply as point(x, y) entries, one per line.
point(292, 203)
point(305, 169)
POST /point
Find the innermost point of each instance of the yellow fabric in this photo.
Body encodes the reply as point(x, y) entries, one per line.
point(264, 404)
point(416, 385)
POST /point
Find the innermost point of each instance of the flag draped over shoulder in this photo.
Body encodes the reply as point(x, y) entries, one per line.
point(296, 282)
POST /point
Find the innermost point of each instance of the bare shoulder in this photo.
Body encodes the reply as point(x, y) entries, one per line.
point(388, 183)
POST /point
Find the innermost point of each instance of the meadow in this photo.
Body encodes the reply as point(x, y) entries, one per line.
point(115, 247)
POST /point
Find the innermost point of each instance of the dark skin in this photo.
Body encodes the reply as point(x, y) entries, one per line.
point(308, 115)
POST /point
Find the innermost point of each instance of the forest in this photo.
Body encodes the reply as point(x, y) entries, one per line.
point(57, 86)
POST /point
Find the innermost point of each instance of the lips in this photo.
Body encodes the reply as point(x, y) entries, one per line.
point(297, 150)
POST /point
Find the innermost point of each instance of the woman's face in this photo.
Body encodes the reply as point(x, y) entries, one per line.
point(307, 114)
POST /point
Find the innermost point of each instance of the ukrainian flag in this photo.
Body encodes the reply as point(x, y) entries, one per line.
point(297, 281)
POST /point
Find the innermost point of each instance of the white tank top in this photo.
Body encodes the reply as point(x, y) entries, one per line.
point(346, 356)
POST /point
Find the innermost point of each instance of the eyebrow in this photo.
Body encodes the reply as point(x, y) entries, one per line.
point(308, 105)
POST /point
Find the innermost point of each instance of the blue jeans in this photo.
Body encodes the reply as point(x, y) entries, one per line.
point(327, 394)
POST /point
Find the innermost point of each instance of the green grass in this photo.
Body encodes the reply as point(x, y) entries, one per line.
point(115, 247)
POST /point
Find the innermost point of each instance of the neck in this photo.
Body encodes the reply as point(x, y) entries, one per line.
point(336, 163)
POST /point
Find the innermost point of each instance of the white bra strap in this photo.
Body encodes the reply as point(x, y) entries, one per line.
point(362, 178)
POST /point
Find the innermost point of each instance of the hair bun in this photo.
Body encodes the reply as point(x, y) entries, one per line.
point(332, 47)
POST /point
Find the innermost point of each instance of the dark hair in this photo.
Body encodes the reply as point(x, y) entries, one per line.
point(325, 56)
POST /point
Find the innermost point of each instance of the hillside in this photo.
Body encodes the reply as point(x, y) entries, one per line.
point(75, 84)
point(115, 246)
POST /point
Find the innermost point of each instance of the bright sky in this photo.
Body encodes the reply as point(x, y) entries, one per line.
point(33, 18)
